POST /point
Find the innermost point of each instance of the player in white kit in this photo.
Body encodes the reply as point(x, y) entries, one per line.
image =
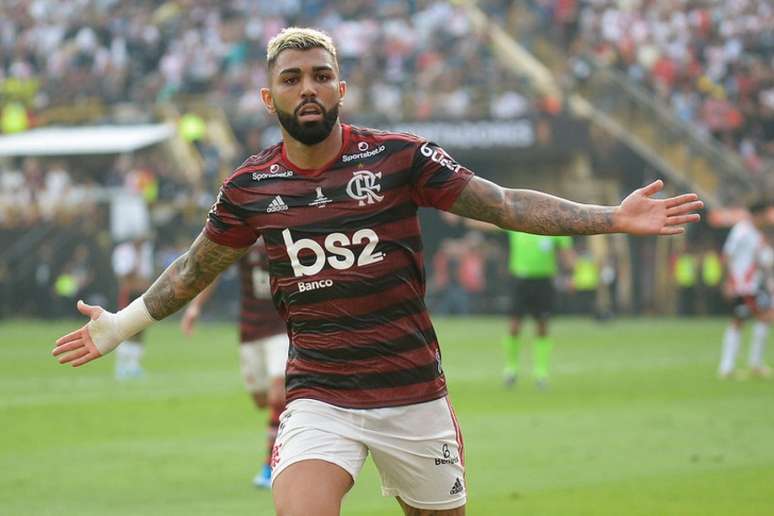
point(133, 266)
point(748, 258)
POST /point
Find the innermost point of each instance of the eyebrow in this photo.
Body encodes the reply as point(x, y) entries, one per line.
point(321, 68)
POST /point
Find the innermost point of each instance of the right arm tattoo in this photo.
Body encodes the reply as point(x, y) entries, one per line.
point(531, 211)
point(189, 275)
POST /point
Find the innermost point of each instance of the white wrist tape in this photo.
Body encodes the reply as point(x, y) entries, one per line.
point(109, 330)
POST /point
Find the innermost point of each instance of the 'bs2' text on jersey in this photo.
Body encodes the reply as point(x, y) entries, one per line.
point(337, 246)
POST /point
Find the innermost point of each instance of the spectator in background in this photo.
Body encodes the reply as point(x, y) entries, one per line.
point(73, 280)
point(472, 267)
point(585, 281)
point(685, 273)
point(711, 281)
point(451, 296)
point(44, 279)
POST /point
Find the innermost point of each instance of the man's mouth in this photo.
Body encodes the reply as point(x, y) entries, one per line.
point(310, 112)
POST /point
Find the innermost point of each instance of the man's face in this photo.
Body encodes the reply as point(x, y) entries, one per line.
point(305, 93)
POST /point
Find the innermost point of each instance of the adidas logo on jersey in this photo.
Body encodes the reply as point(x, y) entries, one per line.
point(457, 488)
point(276, 204)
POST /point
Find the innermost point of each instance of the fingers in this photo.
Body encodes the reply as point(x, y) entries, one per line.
point(69, 346)
point(83, 307)
point(76, 348)
point(683, 219)
point(70, 337)
point(653, 188)
point(685, 208)
point(681, 199)
point(672, 230)
point(73, 355)
point(91, 355)
point(92, 311)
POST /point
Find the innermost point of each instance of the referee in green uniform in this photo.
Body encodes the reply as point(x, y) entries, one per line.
point(534, 262)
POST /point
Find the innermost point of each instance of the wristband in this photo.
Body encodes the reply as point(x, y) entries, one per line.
point(111, 329)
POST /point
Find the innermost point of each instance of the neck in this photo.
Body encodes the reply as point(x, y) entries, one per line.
point(313, 156)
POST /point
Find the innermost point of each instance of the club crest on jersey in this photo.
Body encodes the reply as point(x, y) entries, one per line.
point(363, 187)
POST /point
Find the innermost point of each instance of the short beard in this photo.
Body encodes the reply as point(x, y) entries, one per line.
point(309, 133)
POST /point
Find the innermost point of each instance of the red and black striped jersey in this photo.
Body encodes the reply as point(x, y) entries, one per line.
point(258, 318)
point(346, 264)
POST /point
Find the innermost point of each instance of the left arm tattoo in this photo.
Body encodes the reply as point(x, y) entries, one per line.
point(531, 211)
point(189, 275)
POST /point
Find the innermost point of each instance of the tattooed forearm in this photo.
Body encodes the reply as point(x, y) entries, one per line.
point(531, 211)
point(536, 212)
point(188, 275)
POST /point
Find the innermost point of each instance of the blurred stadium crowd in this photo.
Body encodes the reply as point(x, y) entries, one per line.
point(404, 60)
point(399, 57)
point(711, 62)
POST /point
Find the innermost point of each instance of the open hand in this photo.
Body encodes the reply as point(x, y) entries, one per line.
point(77, 348)
point(640, 214)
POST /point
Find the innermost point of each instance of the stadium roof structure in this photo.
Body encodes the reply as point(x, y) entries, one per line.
point(84, 140)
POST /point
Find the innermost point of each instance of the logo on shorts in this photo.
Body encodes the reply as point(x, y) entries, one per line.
point(457, 488)
point(447, 458)
point(275, 455)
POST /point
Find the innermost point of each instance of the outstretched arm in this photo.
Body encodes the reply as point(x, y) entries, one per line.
point(189, 275)
point(178, 284)
point(536, 212)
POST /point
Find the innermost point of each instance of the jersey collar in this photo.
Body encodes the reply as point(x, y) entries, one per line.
point(345, 137)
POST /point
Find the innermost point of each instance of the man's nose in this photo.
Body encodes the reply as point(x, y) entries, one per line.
point(308, 88)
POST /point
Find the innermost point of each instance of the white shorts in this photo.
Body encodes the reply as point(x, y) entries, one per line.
point(263, 359)
point(417, 449)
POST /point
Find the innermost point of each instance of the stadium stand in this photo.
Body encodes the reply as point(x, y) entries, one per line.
point(414, 61)
point(709, 62)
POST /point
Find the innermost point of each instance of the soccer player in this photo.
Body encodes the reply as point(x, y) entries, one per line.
point(337, 207)
point(534, 263)
point(748, 259)
point(133, 265)
point(263, 339)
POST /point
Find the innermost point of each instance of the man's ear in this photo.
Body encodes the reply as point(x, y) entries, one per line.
point(342, 90)
point(268, 100)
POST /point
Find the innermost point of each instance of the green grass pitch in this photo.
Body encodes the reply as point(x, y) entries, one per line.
point(635, 423)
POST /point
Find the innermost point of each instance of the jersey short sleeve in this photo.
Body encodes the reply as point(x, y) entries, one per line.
point(225, 225)
point(437, 179)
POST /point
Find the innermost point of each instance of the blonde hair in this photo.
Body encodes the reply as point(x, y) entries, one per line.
point(298, 38)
